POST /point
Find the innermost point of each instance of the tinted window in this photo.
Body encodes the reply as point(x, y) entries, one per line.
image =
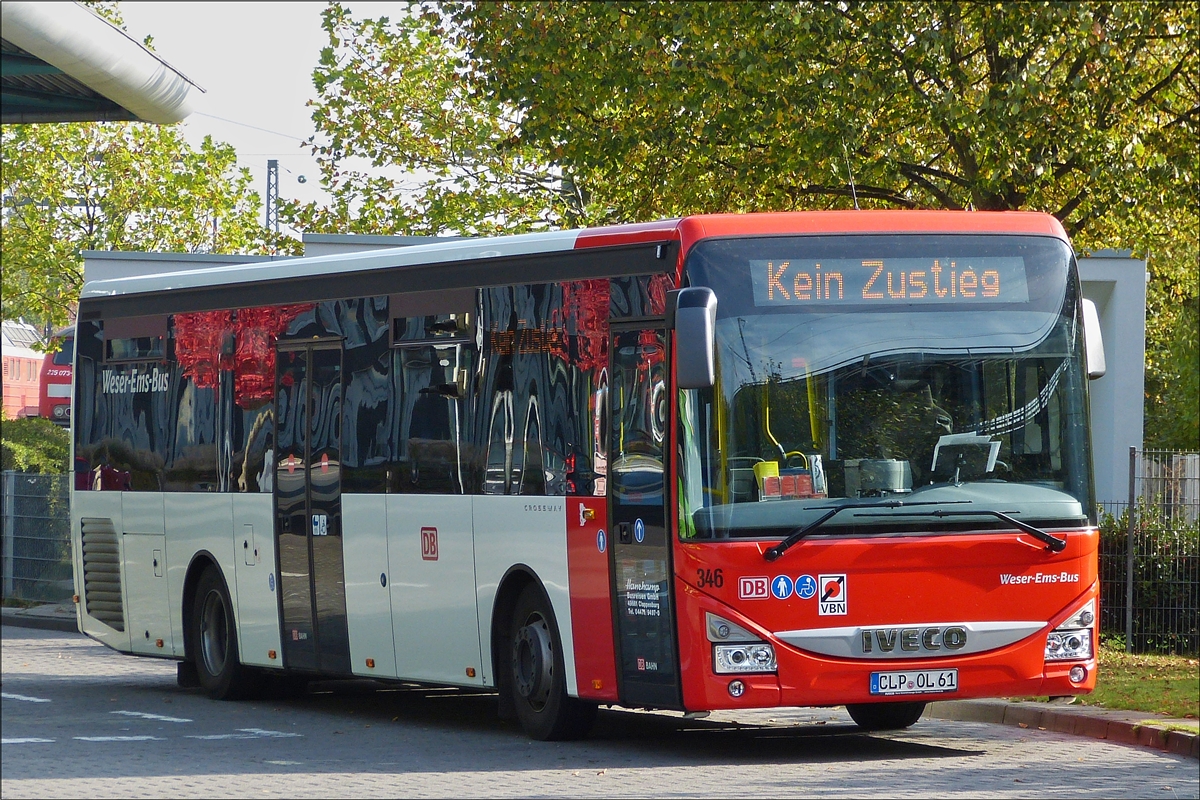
point(65, 353)
point(430, 387)
point(134, 348)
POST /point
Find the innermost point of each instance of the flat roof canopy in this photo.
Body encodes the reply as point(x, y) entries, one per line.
point(61, 62)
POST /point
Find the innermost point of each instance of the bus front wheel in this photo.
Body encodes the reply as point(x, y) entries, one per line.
point(538, 676)
point(214, 641)
point(885, 716)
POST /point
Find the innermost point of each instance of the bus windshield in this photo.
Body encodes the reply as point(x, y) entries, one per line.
point(945, 372)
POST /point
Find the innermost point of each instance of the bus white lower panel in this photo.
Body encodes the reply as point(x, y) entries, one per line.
point(431, 575)
point(147, 604)
point(197, 522)
point(530, 531)
point(102, 506)
point(254, 568)
point(368, 585)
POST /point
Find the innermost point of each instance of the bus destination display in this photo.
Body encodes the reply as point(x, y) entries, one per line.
point(889, 281)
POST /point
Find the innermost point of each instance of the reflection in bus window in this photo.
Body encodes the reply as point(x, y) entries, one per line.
point(431, 387)
point(639, 412)
point(500, 468)
point(533, 474)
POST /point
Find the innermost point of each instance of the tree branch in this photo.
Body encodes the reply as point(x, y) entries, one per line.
point(944, 198)
point(1072, 204)
point(1146, 96)
point(933, 173)
point(873, 192)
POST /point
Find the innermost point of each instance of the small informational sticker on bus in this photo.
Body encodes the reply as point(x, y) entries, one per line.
point(918, 681)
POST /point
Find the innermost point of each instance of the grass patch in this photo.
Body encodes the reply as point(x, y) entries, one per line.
point(1149, 682)
point(14, 602)
point(1173, 726)
point(1159, 684)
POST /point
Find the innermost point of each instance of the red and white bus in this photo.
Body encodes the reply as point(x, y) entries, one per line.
point(54, 393)
point(801, 459)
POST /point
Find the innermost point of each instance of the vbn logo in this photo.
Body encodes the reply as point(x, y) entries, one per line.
point(429, 550)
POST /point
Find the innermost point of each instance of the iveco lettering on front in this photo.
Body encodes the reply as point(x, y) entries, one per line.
point(932, 639)
point(719, 462)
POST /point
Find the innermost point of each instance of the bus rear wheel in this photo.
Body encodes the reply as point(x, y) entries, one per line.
point(885, 716)
point(538, 675)
point(214, 641)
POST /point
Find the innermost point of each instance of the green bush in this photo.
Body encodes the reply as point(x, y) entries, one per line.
point(1166, 579)
point(34, 445)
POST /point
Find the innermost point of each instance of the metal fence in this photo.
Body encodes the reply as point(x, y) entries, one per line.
point(37, 537)
point(1150, 556)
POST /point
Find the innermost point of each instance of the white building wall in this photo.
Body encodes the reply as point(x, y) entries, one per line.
point(1116, 283)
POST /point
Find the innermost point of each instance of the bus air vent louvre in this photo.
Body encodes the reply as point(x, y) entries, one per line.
point(102, 572)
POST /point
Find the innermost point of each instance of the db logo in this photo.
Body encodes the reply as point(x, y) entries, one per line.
point(429, 550)
point(754, 588)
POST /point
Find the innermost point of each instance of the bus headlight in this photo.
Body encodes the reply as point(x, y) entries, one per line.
point(732, 658)
point(1073, 639)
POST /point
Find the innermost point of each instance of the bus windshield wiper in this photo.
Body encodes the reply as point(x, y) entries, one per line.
point(1053, 543)
point(781, 548)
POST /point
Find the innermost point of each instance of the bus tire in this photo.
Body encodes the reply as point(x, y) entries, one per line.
point(186, 676)
point(214, 633)
point(538, 675)
point(885, 716)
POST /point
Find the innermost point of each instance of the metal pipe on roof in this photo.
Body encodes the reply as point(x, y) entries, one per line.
point(99, 55)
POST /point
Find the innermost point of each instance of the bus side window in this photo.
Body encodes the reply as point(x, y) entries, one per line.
point(429, 458)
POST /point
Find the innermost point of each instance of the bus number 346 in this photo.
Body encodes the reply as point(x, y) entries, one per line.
point(709, 577)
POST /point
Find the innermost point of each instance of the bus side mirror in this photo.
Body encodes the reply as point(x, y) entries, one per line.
point(1093, 341)
point(695, 321)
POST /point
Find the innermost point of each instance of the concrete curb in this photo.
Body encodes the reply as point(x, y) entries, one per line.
point(46, 618)
point(1126, 727)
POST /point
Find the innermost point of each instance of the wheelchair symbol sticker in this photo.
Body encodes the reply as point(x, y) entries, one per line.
point(806, 587)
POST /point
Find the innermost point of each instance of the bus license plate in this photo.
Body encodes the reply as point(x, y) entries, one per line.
point(918, 681)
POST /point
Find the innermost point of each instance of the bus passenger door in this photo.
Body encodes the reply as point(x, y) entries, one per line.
point(312, 584)
point(638, 412)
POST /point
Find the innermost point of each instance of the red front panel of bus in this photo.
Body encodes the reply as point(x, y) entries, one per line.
point(884, 584)
point(591, 598)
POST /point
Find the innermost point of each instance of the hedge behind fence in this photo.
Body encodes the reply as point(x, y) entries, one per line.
point(1166, 580)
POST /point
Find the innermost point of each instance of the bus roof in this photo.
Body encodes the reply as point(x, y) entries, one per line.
point(685, 231)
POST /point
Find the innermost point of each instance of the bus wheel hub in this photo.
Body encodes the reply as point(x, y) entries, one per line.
point(533, 663)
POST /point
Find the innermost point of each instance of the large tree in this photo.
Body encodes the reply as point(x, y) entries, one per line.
point(113, 186)
point(1085, 110)
point(639, 110)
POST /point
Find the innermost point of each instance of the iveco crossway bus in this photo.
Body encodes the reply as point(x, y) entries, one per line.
point(734, 461)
